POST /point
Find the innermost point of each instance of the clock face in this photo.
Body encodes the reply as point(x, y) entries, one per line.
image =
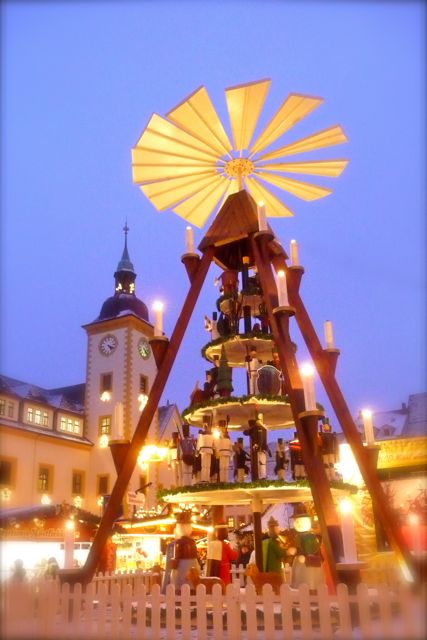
point(144, 348)
point(108, 344)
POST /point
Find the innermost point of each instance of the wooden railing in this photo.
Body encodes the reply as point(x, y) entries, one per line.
point(116, 609)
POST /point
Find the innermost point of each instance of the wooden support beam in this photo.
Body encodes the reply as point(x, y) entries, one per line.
point(326, 370)
point(319, 484)
point(86, 573)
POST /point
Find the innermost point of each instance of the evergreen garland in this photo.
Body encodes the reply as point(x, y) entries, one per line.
point(258, 484)
point(274, 399)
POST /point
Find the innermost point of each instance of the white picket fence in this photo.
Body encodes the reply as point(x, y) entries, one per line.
point(117, 610)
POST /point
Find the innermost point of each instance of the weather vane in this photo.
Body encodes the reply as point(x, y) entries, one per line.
point(186, 161)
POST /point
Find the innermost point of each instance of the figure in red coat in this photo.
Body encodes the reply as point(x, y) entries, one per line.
point(225, 552)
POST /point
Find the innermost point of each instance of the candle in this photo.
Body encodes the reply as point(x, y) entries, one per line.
point(329, 336)
point(307, 374)
point(69, 536)
point(189, 240)
point(282, 289)
point(294, 253)
point(347, 531)
point(262, 220)
point(158, 318)
point(118, 421)
point(368, 426)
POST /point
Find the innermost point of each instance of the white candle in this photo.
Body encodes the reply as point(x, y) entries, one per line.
point(329, 336)
point(189, 240)
point(262, 219)
point(307, 375)
point(118, 421)
point(158, 318)
point(69, 536)
point(282, 289)
point(294, 253)
point(368, 426)
point(347, 530)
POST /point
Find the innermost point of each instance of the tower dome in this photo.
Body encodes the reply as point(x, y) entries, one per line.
point(124, 301)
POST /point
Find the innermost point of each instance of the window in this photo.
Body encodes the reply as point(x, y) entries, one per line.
point(45, 419)
point(76, 426)
point(30, 414)
point(7, 472)
point(230, 522)
point(103, 485)
point(104, 426)
point(2, 408)
point(10, 410)
point(37, 416)
point(63, 424)
point(106, 382)
point(45, 478)
point(143, 384)
point(77, 487)
point(70, 425)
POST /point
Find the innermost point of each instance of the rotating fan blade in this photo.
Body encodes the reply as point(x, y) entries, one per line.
point(302, 190)
point(196, 115)
point(167, 193)
point(244, 103)
point(162, 135)
point(292, 110)
point(273, 207)
point(325, 138)
point(327, 168)
point(197, 208)
point(154, 173)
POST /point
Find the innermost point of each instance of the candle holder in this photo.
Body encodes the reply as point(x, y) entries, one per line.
point(332, 354)
point(159, 344)
point(264, 234)
point(309, 422)
point(119, 449)
point(294, 274)
point(191, 263)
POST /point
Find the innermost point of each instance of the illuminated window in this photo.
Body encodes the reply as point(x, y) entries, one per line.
point(70, 425)
point(106, 383)
point(45, 419)
point(77, 487)
point(143, 384)
point(63, 424)
point(103, 485)
point(37, 416)
point(2, 408)
point(45, 478)
point(10, 410)
point(30, 414)
point(104, 425)
point(230, 522)
point(76, 426)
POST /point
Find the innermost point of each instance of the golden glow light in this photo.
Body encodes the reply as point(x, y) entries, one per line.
point(346, 506)
point(148, 523)
point(216, 433)
point(103, 441)
point(105, 396)
point(69, 524)
point(45, 499)
point(142, 399)
point(77, 501)
point(152, 453)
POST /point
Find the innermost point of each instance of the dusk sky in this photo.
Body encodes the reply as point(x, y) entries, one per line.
point(80, 81)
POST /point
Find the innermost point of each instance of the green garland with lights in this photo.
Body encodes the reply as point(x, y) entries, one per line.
point(258, 484)
point(215, 402)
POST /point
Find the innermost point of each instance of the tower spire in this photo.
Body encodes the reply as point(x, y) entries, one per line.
point(125, 273)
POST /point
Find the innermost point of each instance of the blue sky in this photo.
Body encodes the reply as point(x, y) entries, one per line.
point(79, 83)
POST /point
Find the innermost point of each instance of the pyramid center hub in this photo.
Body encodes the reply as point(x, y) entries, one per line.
point(239, 167)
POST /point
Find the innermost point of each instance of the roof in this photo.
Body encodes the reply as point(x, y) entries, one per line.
point(416, 423)
point(69, 398)
point(165, 416)
point(123, 304)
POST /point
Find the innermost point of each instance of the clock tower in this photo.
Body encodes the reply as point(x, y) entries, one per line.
point(119, 372)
